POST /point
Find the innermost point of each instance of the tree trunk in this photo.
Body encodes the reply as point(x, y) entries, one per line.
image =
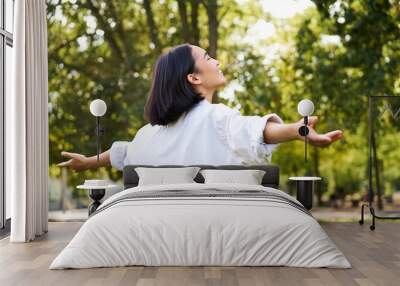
point(212, 14)
point(185, 32)
point(126, 47)
point(195, 22)
point(318, 189)
point(108, 33)
point(152, 25)
point(64, 184)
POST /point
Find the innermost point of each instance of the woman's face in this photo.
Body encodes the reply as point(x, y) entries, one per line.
point(208, 73)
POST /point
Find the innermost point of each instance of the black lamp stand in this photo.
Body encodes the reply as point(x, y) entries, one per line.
point(99, 132)
point(303, 131)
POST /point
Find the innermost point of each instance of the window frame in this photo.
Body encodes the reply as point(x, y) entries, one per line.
point(6, 39)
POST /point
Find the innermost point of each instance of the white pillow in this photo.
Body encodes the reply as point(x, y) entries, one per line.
point(249, 177)
point(163, 176)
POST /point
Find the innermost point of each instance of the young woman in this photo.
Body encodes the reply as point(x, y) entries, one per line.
point(186, 128)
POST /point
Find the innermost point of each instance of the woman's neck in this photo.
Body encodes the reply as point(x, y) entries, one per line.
point(207, 94)
point(209, 98)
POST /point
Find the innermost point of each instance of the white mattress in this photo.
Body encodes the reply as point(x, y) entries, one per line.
point(189, 231)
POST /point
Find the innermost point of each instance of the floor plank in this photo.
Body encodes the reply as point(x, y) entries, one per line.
point(375, 257)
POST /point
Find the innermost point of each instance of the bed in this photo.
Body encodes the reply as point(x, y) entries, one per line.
point(197, 224)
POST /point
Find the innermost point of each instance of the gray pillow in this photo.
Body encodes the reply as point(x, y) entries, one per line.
point(249, 177)
point(163, 176)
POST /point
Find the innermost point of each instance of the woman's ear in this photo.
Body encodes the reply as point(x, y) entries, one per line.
point(193, 78)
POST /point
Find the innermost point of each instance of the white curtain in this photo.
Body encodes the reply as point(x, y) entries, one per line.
point(27, 124)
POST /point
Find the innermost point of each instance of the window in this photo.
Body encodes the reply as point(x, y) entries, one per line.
point(6, 65)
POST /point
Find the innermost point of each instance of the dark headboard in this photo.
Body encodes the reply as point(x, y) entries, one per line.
point(270, 179)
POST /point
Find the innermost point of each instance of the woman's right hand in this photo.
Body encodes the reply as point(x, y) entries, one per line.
point(77, 162)
point(319, 140)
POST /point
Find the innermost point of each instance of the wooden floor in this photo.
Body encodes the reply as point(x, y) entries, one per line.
point(375, 256)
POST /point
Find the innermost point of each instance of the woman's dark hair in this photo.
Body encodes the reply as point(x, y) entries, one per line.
point(171, 93)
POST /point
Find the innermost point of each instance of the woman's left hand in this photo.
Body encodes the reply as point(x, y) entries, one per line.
point(319, 140)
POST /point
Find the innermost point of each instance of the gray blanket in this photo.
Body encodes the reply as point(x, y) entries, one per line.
point(205, 194)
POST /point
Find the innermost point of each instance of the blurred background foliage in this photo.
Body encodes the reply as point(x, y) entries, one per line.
point(336, 53)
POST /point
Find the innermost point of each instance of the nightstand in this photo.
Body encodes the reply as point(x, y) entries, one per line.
point(97, 190)
point(305, 187)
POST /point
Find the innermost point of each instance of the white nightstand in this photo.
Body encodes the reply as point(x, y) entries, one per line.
point(97, 190)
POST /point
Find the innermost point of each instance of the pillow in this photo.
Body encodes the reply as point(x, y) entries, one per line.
point(249, 177)
point(163, 176)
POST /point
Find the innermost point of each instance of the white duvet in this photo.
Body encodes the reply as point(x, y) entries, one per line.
point(183, 231)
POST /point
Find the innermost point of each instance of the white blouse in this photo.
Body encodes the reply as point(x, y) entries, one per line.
point(209, 134)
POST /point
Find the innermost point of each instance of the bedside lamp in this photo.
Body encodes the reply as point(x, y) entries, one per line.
point(98, 108)
point(97, 188)
point(305, 185)
point(305, 108)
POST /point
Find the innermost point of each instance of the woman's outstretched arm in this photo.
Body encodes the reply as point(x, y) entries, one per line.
point(275, 132)
point(79, 162)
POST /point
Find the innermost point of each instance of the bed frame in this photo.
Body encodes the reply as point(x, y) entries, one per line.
point(270, 179)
